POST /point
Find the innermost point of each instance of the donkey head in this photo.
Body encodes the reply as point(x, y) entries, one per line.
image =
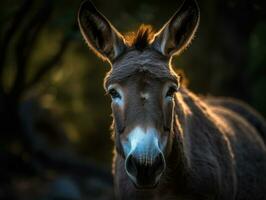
point(142, 86)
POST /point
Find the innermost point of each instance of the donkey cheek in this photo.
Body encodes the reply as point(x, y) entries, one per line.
point(118, 118)
point(168, 115)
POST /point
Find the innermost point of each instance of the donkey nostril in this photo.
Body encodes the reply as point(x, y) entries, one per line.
point(143, 172)
point(131, 166)
point(159, 164)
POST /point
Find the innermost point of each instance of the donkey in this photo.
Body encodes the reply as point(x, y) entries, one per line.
point(170, 143)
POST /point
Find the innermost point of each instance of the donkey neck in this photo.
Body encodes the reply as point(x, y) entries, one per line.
point(200, 138)
point(195, 128)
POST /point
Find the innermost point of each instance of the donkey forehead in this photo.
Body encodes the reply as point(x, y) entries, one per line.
point(137, 63)
point(146, 57)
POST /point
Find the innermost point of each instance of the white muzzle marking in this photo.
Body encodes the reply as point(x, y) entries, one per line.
point(144, 144)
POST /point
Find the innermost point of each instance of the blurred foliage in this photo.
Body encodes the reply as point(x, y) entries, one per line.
point(73, 89)
point(227, 58)
point(257, 66)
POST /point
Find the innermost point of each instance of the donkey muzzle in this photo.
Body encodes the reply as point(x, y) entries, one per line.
point(145, 161)
point(145, 172)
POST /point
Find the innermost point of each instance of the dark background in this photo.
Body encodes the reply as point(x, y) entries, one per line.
point(54, 114)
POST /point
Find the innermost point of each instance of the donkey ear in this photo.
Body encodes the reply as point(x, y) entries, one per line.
point(98, 32)
point(178, 32)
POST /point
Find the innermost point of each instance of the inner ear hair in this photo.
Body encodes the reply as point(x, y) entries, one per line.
point(99, 33)
point(177, 33)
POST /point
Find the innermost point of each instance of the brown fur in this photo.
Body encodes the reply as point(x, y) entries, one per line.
point(217, 154)
point(215, 147)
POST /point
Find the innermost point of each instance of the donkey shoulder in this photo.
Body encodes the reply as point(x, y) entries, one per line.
point(242, 109)
point(249, 152)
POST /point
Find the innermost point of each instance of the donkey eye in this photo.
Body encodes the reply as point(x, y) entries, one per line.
point(171, 91)
point(114, 94)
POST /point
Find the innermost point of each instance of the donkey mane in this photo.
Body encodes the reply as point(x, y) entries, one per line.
point(141, 38)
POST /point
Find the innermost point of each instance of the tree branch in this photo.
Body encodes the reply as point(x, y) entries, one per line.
point(25, 45)
point(8, 36)
point(50, 64)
